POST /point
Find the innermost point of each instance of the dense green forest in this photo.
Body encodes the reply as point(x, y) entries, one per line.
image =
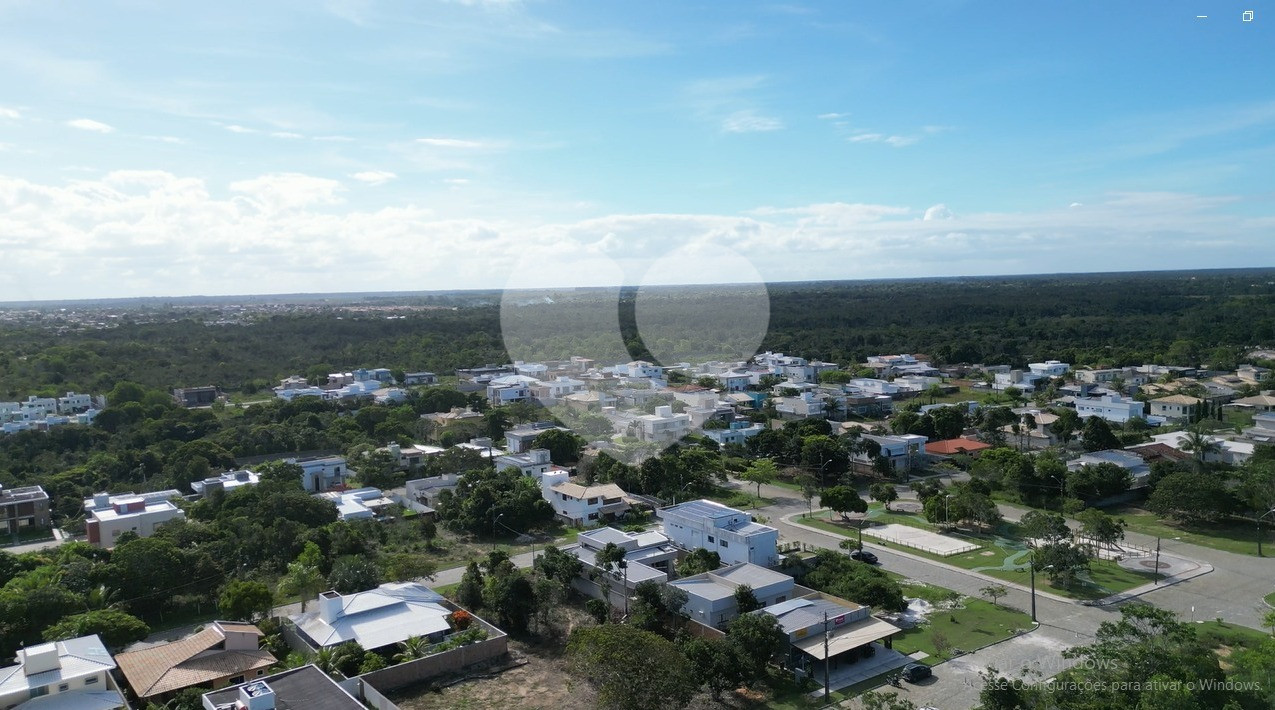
point(1101, 320)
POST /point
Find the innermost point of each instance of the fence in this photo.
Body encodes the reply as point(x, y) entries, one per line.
point(364, 691)
point(438, 664)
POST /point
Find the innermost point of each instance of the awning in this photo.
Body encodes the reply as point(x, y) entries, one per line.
point(847, 637)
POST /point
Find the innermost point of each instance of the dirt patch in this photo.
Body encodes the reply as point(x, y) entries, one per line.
point(542, 684)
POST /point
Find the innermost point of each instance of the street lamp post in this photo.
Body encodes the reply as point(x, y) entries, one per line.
point(494, 519)
point(1259, 529)
point(947, 520)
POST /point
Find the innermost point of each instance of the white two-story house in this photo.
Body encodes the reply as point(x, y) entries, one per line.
point(730, 533)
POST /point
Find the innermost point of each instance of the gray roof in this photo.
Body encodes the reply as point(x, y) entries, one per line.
point(802, 613)
point(304, 688)
point(753, 575)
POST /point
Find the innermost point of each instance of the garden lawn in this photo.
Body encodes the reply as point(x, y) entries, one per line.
point(1270, 599)
point(1216, 635)
point(1235, 536)
point(993, 559)
point(977, 624)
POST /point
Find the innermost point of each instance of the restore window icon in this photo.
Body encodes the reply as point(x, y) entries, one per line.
point(1248, 15)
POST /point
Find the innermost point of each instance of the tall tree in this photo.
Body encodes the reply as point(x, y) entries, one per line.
point(631, 669)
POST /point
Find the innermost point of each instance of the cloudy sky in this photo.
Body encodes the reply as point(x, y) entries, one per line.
point(150, 147)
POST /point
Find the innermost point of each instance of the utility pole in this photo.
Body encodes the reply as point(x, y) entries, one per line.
point(1157, 560)
point(1032, 566)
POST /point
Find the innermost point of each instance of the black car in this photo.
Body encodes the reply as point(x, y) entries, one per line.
point(914, 672)
point(863, 556)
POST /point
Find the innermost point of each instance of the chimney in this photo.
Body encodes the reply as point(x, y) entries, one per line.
point(256, 696)
point(39, 659)
point(664, 412)
point(330, 604)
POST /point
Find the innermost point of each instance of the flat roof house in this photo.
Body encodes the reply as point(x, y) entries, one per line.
point(648, 556)
point(224, 653)
point(227, 481)
point(730, 533)
point(74, 674)
point(321, 473)
point(107, 516)
point(851, 630)
point(710, 597)
point(304, 688)
point(358, 504)
point(25, 508)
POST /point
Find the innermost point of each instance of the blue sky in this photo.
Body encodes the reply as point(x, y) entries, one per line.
point(159, 148)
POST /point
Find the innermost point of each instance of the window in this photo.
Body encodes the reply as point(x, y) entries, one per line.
point(261, 671)
point(90, 680)
point(711, 539)
point(63, 687)
point(236, 680)
point(39, 690)
point(593, 516)
point(723, 543)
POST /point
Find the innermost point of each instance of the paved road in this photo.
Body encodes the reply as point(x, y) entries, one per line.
point(1230, 591)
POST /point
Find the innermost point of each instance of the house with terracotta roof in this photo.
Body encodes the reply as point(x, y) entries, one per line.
point(585, 506)
point(224, 653)
point(959, 445)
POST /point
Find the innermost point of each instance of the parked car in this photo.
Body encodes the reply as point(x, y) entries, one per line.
point(863, 556)
point(914, 672)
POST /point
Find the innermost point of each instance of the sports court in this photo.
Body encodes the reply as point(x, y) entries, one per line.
point(923, 540)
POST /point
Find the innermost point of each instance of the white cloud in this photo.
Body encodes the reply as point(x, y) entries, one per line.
point(233, 128)
point(457, 181)
point(750, 122)
point(129, 233)
point(831, 116)
point(1074, 205)
point(285, 191)
point(167, 139)
point(286, 134)
point(451, 143)
point(937, 212)
point(374, 177)
point(896, 141)
point(11, 113)
point(88, 124)
point(334, 139)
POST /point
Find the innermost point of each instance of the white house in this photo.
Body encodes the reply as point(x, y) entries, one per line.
point(321, 473)
point(508, 389)
point(552, 390)
point(1232, 452)
point(1176, 406)
point(738, 433)
point(875, 387)
point(640, 369)
point(803, 406)
point(663, 426)
point(411, 456)
point(420, 378)
point(1263, 429)
point(1137, 467)
point(107, 516)
point(1022, 381)
point(1111, 407)
point(519, 439)
point(74, 674)
point(730, 533)
point(227, 481)
point(377, 618)
point(533, 463)
point(1049, 368)
point(358, 504)
point(903, 450)
point(710, 597)
point(73, 402)
point(647, 556)
point(584, 506)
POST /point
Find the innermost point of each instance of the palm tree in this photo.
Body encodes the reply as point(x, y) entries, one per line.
point(1201, 444)
point(325, 660)
point(934, 391)
point(413, 648)
point(301, 579)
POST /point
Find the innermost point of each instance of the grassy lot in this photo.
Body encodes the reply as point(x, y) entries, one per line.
point(1270, 599)
point(1239, 537)
point(1232, 421)
point(1001, 557)
point(742, 498)
point(1218, 635)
